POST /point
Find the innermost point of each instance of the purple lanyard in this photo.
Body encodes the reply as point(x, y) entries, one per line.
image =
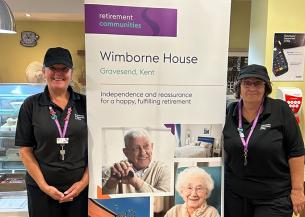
point(62, 133)
point(241, 131)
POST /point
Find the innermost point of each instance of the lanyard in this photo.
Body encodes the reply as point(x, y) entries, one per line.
point(62, 132)
point(241, 131)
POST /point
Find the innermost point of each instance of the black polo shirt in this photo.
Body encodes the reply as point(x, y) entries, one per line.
point(36, 129)
point(275, 139)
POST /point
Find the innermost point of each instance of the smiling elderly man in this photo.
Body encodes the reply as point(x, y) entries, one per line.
point(137, 174)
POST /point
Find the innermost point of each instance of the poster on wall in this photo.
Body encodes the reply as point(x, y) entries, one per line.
point(236, 61)
point(156, 87)
point(288, 57)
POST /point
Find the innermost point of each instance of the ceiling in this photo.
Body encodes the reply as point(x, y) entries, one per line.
point(51, 10)
point(47, 10)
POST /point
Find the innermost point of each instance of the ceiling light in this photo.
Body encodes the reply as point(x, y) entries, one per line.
point(7, 21)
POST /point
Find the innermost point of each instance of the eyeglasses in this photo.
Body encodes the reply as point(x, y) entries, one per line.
point(198, 189)
point(138, 148)
point(256, 84)
point(55, 69)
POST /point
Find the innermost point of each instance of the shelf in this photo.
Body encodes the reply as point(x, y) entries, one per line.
point(13, 112)
point(7, 134)
point(12, 194)
point(12, 96)
point(12, 182)
point(10, 158)
point(12, 171)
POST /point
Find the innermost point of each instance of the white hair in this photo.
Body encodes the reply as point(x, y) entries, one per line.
point(135, 133)
point(207, 180)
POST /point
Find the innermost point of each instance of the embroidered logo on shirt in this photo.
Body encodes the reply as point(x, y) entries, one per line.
point(265, 126)
point(79, 117)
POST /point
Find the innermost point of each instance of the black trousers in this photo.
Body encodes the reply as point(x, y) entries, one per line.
point(238, 206)
point(42, 205)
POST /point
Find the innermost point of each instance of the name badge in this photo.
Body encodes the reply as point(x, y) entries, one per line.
point(62, 140)
point(241, 135)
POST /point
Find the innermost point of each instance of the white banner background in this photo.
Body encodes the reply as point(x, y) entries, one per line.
point(202, 32)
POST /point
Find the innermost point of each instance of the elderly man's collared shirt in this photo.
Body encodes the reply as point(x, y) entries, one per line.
point(141, 173)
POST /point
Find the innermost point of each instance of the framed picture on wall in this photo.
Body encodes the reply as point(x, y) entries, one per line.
point(288, 57)
point(236, 61)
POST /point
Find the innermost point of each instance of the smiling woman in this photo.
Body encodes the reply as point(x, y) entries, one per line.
point(195, 186)
point(52, 135)
point(57, 71)
point(261, 132)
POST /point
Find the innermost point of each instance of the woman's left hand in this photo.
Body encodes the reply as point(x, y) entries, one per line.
point(73, 191)
point(298, 200)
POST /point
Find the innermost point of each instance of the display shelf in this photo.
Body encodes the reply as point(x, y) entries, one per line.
point(7, 134)
point(11, 99)
point(10, 158)
point(13, 204)
point(8, 171)
point(12, 182)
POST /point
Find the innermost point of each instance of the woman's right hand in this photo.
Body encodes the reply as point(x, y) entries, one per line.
point(53, 192)
point(298, 200)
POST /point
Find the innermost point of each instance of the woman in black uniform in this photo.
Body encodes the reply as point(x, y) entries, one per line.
point(52, 135)
point(264, 161)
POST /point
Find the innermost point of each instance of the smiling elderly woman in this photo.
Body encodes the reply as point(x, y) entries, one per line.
point(195, 186)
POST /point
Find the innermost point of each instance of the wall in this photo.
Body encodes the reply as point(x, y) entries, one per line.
point(15, 57)
point(240, 26)
point(258, 31)
point(267, 17)
point(284, 16)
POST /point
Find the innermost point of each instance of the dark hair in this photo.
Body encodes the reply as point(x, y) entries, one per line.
point(268, 88)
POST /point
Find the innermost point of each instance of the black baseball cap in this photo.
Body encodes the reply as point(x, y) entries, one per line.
point(254, 71)
point(58, 55)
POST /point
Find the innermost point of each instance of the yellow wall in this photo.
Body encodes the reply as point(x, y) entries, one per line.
point(258, 31)
point(239, 26)
point(284, 16)
point(14, 58)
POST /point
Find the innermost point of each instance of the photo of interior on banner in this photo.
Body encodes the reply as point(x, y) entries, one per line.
point(137, 161)
point(198, 140)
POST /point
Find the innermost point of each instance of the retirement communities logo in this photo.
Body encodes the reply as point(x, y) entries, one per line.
point(125, 20)
point(118, 21)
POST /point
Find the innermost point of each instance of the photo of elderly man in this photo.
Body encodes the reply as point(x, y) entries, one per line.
point(139, 173)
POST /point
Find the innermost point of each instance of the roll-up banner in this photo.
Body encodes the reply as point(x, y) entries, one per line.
point(156, 87)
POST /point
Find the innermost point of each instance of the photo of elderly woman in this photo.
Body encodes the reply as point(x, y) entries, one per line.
point(195, 186)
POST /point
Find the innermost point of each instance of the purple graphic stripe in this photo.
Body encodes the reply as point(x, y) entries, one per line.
point(171, 126)
point(125, 20)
